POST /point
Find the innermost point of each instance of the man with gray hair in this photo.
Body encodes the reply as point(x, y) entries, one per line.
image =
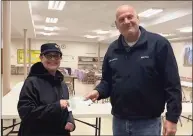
point(140, 75)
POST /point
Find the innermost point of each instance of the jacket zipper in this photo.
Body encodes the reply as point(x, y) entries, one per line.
point(61, 92)
point(61, 95)
point(127, 51)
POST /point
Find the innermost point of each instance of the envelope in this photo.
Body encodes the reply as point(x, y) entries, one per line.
point(78, 102)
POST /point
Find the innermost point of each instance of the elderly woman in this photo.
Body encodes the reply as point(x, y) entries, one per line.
point(43, 101)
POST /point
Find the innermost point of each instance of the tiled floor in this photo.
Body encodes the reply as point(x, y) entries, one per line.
point(106, 126)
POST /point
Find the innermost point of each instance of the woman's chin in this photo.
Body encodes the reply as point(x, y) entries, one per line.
point(53, 68)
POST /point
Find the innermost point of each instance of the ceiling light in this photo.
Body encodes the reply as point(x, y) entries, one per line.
point(49, 28)
point(90, 36)
point(101, 32)
point(150, 12)
point(56, 5)
point(166, 35)
point(180, 38)
point(51, 20)
point(185, 29)
point(46, 34)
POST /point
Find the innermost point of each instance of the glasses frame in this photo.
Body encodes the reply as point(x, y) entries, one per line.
point(52, 56)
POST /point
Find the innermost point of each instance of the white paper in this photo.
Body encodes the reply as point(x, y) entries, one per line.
point(69, 108)
point(78, 102)
point(88, 102)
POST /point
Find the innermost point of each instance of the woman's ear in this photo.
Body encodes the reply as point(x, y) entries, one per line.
point(41, 57)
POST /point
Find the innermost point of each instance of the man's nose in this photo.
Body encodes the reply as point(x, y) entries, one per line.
point(126, 21)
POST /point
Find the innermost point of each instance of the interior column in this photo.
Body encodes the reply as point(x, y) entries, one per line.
point(98, 67)
point(6, 46)
point(25, 54)
point(29, 42)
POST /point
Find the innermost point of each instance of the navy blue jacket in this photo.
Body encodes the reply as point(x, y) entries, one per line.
point(39, 104)
point(141, 79)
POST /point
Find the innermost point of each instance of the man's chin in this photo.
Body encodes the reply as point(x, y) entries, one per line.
point(131, 32)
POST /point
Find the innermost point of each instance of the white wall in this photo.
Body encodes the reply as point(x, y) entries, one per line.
point(103, 49)
point(74, 49)
point(178, 48)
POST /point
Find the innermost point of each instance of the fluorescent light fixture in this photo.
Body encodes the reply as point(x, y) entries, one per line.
point(166, 35)
point(50, 28)
point(56, 5)
point(185, 29)
point(100, 32)
point(150, 12)
point(47, 34)
point(90, 36)
point(180, 38)
point(44, 33)
point(51, 20)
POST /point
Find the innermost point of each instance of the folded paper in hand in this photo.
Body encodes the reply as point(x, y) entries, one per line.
point(69, 108)
point(78, 102)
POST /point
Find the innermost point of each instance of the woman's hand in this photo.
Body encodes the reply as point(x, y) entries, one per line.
point(64, 104)
point(69, 126)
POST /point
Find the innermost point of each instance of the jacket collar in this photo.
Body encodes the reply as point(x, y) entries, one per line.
point(140, 43)
point(38, 70)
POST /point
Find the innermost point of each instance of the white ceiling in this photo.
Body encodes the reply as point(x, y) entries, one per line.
point(79, 18)
point(21, 19)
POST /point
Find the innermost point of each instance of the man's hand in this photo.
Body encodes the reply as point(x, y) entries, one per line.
point(64, 104)
point(169, 128)
point(69, 126)
point(94, 95)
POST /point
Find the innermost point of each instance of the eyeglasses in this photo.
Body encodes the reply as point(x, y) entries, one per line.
point(49, 56)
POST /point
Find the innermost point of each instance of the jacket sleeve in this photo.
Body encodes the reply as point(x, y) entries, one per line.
point(29, 109)
point(171, 81)
point(71, 119)
point(104, 87)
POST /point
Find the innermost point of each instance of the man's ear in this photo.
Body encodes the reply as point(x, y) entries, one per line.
point(138, 19)
point(116, 24)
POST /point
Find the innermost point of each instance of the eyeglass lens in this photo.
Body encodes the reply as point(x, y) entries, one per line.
point(50, 56)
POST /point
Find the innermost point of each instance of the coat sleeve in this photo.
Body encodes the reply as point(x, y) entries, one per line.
point(70, 117)
point(29, 109)
point(171, 81)
point(104, 87)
